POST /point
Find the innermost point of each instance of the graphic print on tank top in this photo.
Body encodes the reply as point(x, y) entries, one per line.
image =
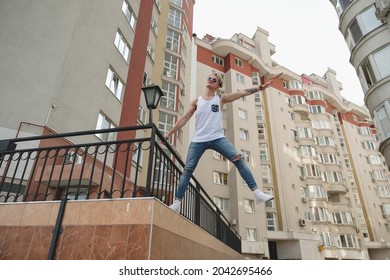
point(215, 108)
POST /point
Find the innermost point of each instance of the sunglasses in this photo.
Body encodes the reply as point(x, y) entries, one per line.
point(213, 80)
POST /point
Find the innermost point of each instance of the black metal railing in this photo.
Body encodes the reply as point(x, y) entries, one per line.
point(52, 167)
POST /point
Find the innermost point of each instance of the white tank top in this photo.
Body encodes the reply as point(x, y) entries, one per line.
point(208, 122)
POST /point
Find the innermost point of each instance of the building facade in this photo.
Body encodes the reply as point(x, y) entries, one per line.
point(313, 150)
point(365, 26)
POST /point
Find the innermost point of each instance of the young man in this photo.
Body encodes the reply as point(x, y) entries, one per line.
point(209, 135)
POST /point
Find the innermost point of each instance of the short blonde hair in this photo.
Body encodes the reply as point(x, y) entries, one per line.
point(219, 77)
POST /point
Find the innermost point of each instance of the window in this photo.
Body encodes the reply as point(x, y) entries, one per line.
point(383, 191)
point(271, 221)
point(311, 170)
point(245, 155)
point(328, 158)
point(251, 233)
point(171, 64)
point(364, 23)
point(105, 123)
point(240, 78)
point(122, 46)
point(344, 218)
point(307, 151)
point(244, 134)
point(266, 173)
point(114, 83)
point(220, 178)
point(150, 51)
point(316, 95)
point(321, 214)
point(259, 113)
point(173, 39)
point(382, 118)
point(217, 60)
point(174, 17)
point(257, 97)
point(168, 101)
point(374, 160)
point(222, 203)
point(321, 124)
point(242, 114)
point(255, 79)
point(141, 114)
point(378, 175)
point(297, 100)
point(249, 205)
point(325, 141)
point(238, 62)
point(218, 156)
point(332, 177)
point(294, 85)
point(316, 191)
point(317, 109)
point(130, 15)
point(177, 2)
point(381, 61)
point(305, 132)
point(165, 123)
point(347, 241)
point(263, 151)
point(368, 145)
point(261, 131)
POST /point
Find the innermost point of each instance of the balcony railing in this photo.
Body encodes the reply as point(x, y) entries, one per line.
point(52, 167)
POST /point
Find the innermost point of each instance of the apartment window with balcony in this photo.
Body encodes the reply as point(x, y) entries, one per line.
point(271, 221)
point(249, 205)
point(251, 233)
point(154, 26)
point(104, 122)
point(341, 5)
point(294, 85)
point(266, 173)
point(220, 178)
point(171, 66)
point(174, 18)
point(259, 113)
point(311, 170)
point(374, 160)
point(115, 84)
point(321, 214)
point(382, 118)
point(382, 62)
point(347, 241)
point(255, 79)
point(332, 177)
point(261, 130)
point(325, 141)
point(218, 60)
point(173, 40)
point(307, 151)
point(321, 124)
point(316, 95)
point(122, 46)
point(364, 130)
point(368, 145)
point(146, 80)
point(304, 132)
point(129, 13)
point(168, 101)
point(317, 109)
point(297, 100)
point(263, 151)
point(316, 191)
point(222, 203)
point(257, 97)
point(364, 23)
point(328, 158)
point(342, 218)
point(378, 175)
point(383, 191)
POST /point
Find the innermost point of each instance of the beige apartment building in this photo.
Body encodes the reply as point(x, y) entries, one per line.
point(81, 65)
point(316, 152)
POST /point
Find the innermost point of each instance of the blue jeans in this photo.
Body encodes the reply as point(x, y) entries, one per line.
point(222, 146)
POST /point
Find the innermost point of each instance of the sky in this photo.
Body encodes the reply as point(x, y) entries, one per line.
point(305, 34)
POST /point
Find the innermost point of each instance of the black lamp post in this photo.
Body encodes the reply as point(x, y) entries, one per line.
point(153, 94)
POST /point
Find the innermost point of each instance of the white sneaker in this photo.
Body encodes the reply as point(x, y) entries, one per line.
point(261, 197)
point(175, 206)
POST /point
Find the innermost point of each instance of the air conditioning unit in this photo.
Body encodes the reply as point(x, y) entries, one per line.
point(304, 199)
point(357, 230)
point(233, 222)
point(303, 177)
point(302, 222)
point(373, 180)
point(382, 11)
point(296, 138)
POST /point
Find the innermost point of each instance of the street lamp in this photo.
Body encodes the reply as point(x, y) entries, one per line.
point(153, 94)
